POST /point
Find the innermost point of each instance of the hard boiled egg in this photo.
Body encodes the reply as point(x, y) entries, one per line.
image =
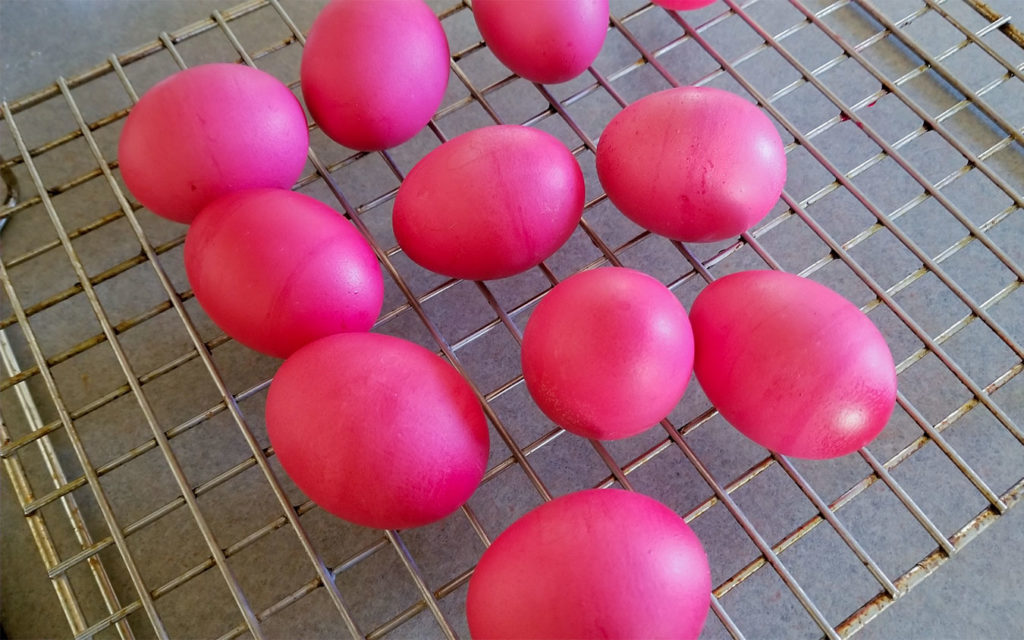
point(209, 131)
point(374, 71)
point(277, 269)
point(603, 563)
point(694, 164)
point(490, 203)
point(792, 364)
point(607, 353)
point(683, 5)
point(377, 430)
point(543, 40)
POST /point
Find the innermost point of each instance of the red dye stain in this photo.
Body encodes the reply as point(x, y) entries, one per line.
point(843, 117)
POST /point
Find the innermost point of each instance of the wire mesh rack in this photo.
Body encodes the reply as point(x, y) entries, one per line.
point(132, 428)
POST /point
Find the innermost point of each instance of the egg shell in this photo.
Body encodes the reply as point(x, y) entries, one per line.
point(682, 5)
point(209, 131)
point(607, 353)
point(377, 430)
point(602, 563)
point(490, 203)
point(541, 40)
point(695, 164)
point(373, 72)
point(277, 269)
point(792, 364)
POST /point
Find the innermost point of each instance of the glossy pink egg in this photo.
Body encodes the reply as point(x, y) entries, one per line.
point(792, 364)
point(603, 563)
point(490, 203)
point(277, 269)
point(374, 72)
point(683, 5)
point(694, 164)
point(209, 131)
point(377, 430)
point(542, 40)
point(608, 353)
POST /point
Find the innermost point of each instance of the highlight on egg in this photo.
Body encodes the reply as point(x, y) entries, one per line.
point(276, 269)
point(540, 40)
point(694, 164)
point(489, 203)
point(602, 563)
point(377, 430)
point(791, 364)
point(208, 131)
point(607, 353)
point(373, 72)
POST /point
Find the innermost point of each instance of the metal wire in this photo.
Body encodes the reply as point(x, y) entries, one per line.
point(434, 595)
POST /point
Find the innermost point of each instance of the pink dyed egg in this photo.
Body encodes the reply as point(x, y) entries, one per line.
point(377, 430)
point(792, 364)
point(607, 353)
point(542, 40)
point(209, 131)
point(603, 563)
point(374, 72)
point(682, 5)
point(277, 269)
point(490, 203)
point(694, 164)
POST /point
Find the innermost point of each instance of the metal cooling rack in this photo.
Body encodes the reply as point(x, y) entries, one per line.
point(132, 429)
